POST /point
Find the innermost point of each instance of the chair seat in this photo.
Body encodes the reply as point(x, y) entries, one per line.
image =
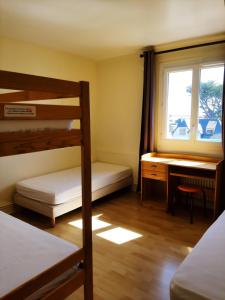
point(189, 188)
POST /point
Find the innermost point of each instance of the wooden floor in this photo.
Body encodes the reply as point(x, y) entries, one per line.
point(141, 268)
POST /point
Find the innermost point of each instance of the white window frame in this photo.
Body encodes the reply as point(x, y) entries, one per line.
point(191, 145)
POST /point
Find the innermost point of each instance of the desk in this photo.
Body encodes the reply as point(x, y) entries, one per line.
point(170, 167)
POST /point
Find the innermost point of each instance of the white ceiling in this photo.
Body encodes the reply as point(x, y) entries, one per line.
point(100, 29)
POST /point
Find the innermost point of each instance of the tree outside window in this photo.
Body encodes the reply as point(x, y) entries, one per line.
point(208, 125)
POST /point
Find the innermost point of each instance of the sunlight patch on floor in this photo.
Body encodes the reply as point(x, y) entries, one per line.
point(96, 223)
point(189, 249)
point(119, 235)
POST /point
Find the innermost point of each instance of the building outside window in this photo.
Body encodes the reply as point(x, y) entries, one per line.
point(193, 97)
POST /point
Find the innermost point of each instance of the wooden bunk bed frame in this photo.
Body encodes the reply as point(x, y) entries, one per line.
point(38, 88)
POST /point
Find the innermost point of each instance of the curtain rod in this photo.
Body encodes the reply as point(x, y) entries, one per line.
point(188, 47)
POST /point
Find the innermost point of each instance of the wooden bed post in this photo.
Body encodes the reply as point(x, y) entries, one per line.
point(86, 189)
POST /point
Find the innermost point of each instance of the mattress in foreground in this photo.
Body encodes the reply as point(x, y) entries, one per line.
point(26, 251)
point(202, 273)
point(63, 186)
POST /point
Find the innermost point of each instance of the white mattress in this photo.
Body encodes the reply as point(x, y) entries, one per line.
point(22, 125)
point(26, 251)
point(202, 273)
point(54, 211)
point(60, 187)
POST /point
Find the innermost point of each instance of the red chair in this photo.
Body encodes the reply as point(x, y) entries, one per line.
point(189, 190)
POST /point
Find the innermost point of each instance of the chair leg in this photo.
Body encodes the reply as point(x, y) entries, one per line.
point(186, 199)
point(191, 209)
point(174, 201)
point(173, 205)
point(204, 201)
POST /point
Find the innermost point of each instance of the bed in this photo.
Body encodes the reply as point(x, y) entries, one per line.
point(202, 274)
point(57, 193)
point(37, 245)
point(35, 264)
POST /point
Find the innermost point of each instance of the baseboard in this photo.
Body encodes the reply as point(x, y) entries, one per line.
point(8, 208)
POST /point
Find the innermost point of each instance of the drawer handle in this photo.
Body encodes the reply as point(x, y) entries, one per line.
point(154, 166)
point(154, 174)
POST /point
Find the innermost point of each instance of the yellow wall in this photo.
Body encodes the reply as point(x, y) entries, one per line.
point(27, 58)
point(116, 101)
point(119, 110)
point(115, 114)
point(120, 84)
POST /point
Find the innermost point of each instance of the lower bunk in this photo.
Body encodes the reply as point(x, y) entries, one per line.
point(35, 264)
point(202, 274)
point(57, 193)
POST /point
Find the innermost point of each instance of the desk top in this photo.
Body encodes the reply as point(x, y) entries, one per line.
point(194, 164)
point(197, 162)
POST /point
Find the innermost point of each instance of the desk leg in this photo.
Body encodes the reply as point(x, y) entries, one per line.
point(169, 194)
point(142, 191)
point(217, 193)
point(171, 188)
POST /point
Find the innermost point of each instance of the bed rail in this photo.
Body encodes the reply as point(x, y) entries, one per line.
point(45, 277)
point(8, 111)
point(12, 143)
point(25, 82)
point(31, 95)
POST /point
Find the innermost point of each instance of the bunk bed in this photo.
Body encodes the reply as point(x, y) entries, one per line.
point(35, 264)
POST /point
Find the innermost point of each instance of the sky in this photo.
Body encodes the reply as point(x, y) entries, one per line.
point(179, 100)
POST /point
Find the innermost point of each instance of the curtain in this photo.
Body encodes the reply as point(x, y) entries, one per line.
point(223, 115)
point(223, 142)
point(147, 120)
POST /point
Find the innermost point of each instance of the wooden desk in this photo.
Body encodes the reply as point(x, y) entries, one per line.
point(170, 167)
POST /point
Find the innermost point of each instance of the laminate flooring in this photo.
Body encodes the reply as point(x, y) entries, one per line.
point(140, 268)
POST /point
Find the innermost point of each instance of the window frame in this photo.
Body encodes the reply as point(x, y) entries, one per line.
point(193, 144)
point(165, 102)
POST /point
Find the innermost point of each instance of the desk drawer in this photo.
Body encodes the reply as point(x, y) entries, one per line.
point(155, 167)
point(153, 174)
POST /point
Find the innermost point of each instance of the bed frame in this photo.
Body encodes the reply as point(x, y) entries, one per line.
point(39, 88)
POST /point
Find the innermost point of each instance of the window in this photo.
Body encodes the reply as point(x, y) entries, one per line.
point(179, 104)
point(193, 97)
point(210, 103)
